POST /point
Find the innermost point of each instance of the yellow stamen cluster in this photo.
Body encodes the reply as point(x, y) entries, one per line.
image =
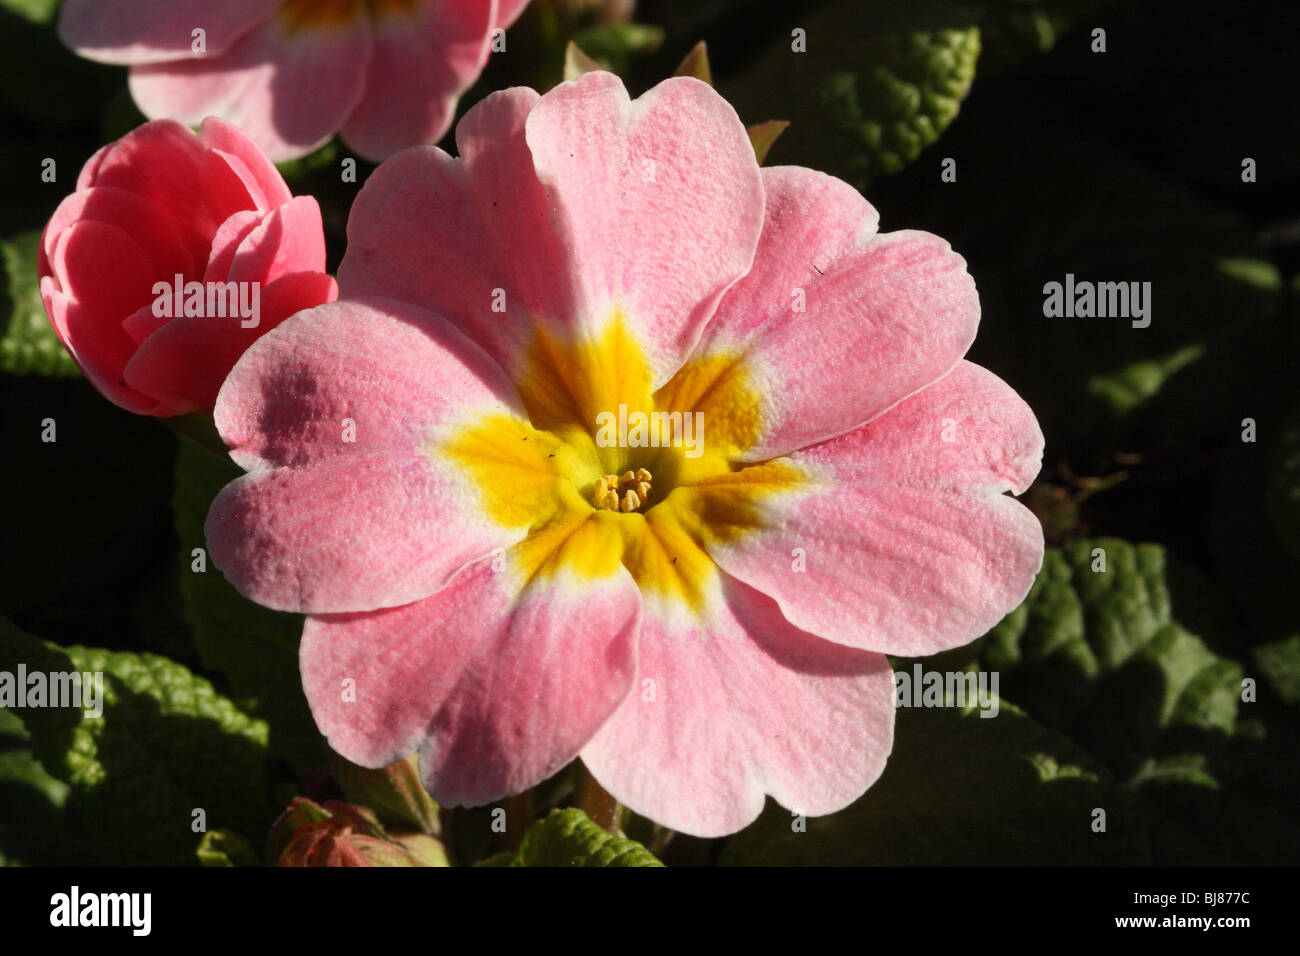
point(635, 486)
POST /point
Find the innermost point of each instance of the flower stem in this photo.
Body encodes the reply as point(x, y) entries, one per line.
point(596, 802)
point(519, 816)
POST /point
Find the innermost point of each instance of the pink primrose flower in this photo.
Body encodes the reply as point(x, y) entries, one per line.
point(620, 447)
point(292, 73)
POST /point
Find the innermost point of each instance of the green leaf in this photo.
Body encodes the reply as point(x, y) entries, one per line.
point(28, 345)
point(569, 838)
point(165, 746)
point(576, 63)
point(37, 11)
point(614, 45)
point(1279, 663)
point(763, 135)
point(966, 790)
point(220, 848)
point(1094, 651)
point(33, 830)
point(254, 648)
point(878, 83)
point(1100, 656)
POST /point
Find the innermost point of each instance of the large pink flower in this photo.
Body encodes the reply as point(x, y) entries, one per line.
point(292, 73)
point(718, 633)
point(164, 202)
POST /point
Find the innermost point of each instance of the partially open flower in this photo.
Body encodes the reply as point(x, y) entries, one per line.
point(177, 251)
point(656, 455)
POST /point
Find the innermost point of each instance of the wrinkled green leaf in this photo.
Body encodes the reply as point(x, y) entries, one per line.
point(165, 746)
point(569, 838)
point(877, 84)
point(28, 345)
point(1097, 654)
point(961, 789)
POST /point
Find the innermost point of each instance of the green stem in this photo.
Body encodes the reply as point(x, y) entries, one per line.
point(596, 802)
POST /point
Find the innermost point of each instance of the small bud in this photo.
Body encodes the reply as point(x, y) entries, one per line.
point(394, 793)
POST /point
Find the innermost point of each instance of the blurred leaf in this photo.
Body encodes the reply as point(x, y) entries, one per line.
point(696, 64)
point(1279, 663)
point(963, 790)
point(614, 45)
point(165, 746)
point(577, 63)
point(1283, 492)
point(254, 648)
point(37, 11)
point(220, 848)
point(763, 135)
point(569, 838)
point(29, 345)
point(877, 84)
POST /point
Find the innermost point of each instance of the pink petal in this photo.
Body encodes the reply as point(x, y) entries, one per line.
point(167, 165)
point(968, 432)
point(289, 92)
point(227, 240)
point(496, 690)
point(910, 548)
point(103, 268)
point(289, 239)
point(421, 66)
point(258, 173)
point(149, 227)
point(151, 31)
point(508, 11)
point(393, 369)
point(185, 360)
point(660, 201)
point(552, 203)
point(101, 353)
point(493, 230)
point(885, 314)
point(369, 532)
point(354, 525)
point(142, 323)
point(744, 706)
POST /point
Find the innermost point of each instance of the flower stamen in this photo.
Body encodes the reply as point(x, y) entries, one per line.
point(634, 485)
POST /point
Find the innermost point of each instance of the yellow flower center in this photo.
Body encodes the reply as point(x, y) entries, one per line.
point(609, 472)
point(298, 15)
